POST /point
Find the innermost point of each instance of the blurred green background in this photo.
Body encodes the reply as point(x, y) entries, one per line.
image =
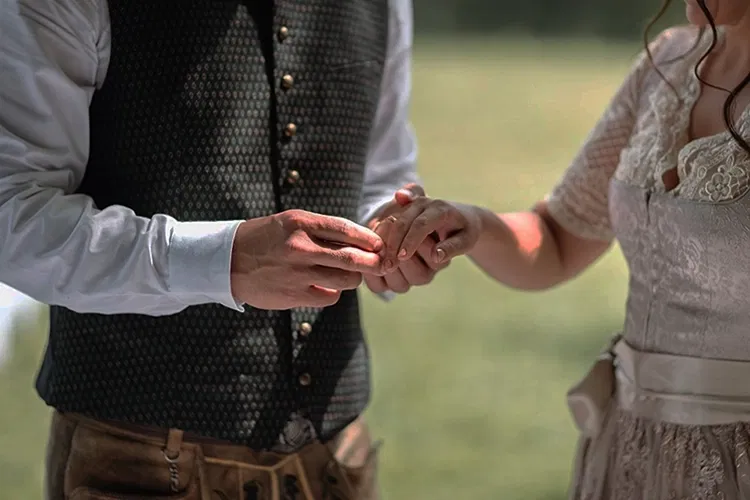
point(470, 377)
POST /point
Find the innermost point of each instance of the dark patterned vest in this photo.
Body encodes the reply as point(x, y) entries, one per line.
point(221, 110)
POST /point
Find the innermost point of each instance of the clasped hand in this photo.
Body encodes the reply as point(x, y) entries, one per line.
point(302, 259)
point(420, 235)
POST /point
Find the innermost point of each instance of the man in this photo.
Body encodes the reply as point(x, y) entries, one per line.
point(179, 181)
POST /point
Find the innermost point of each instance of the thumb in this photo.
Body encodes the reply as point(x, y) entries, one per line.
point(408, 193)
point(453, 246)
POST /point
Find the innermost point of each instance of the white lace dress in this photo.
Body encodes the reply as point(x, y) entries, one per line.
point(688, 253)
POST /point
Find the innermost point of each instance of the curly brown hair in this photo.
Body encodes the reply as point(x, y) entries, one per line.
point(729, 103)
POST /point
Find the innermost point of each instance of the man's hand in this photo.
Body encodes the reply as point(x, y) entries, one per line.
point(301, 259)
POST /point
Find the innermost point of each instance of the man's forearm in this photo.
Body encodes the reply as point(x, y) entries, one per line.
point(57, 247)
point(61, 250)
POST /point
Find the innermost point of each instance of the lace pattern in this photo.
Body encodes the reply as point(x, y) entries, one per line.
point(659, 461)
point(643, 134)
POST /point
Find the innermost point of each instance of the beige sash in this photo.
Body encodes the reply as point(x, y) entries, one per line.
point(659, 387)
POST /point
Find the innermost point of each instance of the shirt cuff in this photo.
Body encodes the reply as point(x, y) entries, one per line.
point(387, 296)
point(200, 258)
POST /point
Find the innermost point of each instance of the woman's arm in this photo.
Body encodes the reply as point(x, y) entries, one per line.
point(570, 229)
point(562, 235)
point(530, 250)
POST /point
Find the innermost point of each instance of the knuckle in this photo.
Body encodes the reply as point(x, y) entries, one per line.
point(421, 221)
point(440, 204)
point(338, 225)
point(346, 258)
point(443, 208)
point(294, 244)
point(293, 217)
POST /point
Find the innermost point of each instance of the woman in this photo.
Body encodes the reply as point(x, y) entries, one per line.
point(666, 172)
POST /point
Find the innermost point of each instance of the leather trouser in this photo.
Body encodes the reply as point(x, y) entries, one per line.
point(93, 460)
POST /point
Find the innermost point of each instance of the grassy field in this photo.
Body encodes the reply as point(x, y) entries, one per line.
point(469, 377)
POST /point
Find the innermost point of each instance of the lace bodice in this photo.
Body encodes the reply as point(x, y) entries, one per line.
point(643, 134)
point(689, 292)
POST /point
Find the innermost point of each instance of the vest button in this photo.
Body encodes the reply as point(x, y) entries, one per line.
point(283, 33)
point(305, 329)
point(293, 177)
point(290, 129)
point(305, 379)
point(287, 81)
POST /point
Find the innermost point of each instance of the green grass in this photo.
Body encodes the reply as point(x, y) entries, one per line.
point(470, 377)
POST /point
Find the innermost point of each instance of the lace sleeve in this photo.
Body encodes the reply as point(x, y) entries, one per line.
point(579, 201)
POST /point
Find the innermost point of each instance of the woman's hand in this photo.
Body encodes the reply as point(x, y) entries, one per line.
point(450, 229)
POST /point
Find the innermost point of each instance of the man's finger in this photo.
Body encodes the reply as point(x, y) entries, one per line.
point(320, 297)
point(344, 232)
point(346, 258)
point(333, 279)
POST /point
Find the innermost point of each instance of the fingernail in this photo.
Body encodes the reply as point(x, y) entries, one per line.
point(407, 192)
point(440, 255)
point(402, 253)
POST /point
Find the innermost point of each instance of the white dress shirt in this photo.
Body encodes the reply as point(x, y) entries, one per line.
point(58, 247)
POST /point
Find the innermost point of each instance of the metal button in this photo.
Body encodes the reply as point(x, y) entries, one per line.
point(287, 81)
point(293, 177)
point(283, 33)
point(305, 379)
point(305, 329)
point(290, 129)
